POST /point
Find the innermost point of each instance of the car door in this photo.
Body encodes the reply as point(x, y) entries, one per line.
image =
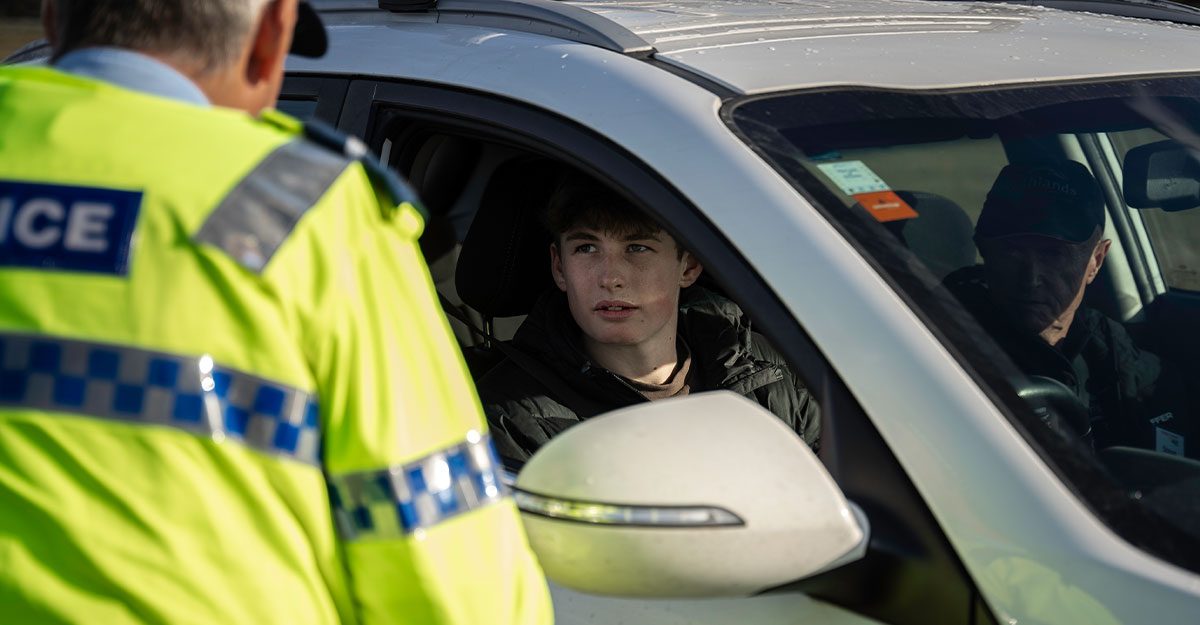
point(911, 574)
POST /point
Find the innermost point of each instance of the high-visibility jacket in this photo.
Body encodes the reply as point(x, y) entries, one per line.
point(227, 392)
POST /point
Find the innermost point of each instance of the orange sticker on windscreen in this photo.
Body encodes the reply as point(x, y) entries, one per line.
point(886, 205)
point(855, 178)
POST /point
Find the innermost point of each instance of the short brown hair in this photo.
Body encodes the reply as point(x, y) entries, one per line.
point(580, 201)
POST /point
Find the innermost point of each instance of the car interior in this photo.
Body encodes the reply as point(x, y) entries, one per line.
point(484, 240)
point(488, 254)
point(488, 251)
point(943, 169)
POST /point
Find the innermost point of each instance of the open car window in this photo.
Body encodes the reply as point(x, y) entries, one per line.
point(1013, 220)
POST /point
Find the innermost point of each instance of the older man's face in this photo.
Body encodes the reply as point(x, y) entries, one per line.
point(1038, 281)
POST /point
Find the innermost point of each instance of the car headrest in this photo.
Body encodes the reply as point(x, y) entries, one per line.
point(505, 260)
point(941, 235)
point(439, 168)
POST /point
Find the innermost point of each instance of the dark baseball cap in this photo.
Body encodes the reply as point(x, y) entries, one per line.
point(1055, 199)
point(309, 38)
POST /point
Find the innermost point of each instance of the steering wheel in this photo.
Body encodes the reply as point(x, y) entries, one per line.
point(1057, 406)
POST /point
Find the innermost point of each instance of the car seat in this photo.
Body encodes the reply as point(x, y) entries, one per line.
point(504, 265)
point(439, 168)
point(941, 236)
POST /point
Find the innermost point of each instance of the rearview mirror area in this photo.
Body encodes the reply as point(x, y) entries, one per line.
point(704, 496)
point(1162, 175)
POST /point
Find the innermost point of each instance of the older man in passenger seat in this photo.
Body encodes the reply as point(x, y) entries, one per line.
point(620, 329)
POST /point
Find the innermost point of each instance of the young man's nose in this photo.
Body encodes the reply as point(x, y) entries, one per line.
point(612, 273)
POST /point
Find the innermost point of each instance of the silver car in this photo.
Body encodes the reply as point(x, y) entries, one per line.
point(828, 162)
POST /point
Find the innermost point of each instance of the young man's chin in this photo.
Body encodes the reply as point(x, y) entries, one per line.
point(614, 337)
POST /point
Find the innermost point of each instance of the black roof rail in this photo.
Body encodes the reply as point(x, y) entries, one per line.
point(541, 17)
point(331, 6)
point(1159, 10)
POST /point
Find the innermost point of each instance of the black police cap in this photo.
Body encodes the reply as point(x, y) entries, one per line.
point(309, 38)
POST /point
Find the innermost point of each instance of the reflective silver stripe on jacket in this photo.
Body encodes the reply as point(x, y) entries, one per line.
point(258, 215)
point(403, 499)
point(130, 384)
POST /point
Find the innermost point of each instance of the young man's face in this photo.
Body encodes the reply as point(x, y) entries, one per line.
point(622, 289)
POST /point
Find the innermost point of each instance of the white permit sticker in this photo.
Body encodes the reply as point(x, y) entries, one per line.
point(1168, 442)
point(853, 177)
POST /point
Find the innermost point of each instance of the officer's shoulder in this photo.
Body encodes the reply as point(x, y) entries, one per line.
point(327, 140)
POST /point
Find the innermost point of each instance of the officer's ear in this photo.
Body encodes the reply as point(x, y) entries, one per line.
point(268, 49)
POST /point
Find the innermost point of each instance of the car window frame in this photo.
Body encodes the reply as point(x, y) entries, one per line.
point(944, 317)
point(883, 487)
point(328, 92)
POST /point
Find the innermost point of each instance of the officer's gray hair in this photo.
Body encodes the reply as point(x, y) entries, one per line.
point(208, 32)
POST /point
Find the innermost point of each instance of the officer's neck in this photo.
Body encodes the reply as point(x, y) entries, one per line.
point(235, 85)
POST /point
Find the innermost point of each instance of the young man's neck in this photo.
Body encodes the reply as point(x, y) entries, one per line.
point(645, 363)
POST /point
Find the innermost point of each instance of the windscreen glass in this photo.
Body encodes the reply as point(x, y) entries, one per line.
point(1050, 236)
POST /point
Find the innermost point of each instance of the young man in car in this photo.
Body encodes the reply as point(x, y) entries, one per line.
point(621, 329)
point(1041, 238)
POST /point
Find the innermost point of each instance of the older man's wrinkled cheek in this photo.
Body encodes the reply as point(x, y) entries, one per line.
point(1033, 296)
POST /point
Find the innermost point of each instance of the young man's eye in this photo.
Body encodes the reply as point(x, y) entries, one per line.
point(585, 248)
point(637, 248)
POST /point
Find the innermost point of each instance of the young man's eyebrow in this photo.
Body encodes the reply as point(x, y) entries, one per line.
point(642, 236)
point(586, 235)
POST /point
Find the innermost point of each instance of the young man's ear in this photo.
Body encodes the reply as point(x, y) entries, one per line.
point(691, 270)
point(556, 269)
point(1097, 260)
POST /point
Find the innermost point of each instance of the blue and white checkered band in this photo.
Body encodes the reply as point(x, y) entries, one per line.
point(403, 499)
point(135, 385)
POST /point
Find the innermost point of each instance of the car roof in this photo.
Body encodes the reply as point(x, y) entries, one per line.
point(759, 46)
point(754, 46)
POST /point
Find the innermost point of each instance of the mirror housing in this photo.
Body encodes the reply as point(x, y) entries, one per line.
point(704, 496)
point(1162, 175)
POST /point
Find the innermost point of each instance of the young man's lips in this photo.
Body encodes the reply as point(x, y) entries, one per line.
point(612, 305)
point(614, 310)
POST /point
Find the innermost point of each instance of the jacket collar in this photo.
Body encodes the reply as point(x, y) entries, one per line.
point(723, 358)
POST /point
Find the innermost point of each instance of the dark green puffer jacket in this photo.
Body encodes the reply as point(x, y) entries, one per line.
point(523, 413)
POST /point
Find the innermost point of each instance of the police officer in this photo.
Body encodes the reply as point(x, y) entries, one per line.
point(227, 393)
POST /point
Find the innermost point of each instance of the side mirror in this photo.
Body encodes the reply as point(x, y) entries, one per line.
point(1162, 175)
point(705, 496)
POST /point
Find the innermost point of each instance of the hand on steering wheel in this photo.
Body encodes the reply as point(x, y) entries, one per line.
point(1058, 406)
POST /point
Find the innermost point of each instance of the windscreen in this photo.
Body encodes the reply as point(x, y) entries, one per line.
point(1050, 236)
